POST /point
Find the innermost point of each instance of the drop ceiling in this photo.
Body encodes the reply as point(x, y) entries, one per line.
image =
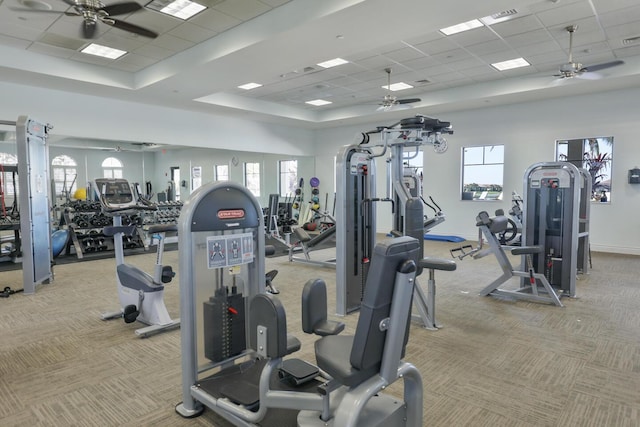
point(197, 64)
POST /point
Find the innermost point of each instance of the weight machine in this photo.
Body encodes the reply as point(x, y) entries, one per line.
point(34, 201)
point(356, 205)
point(556, 217)
point(234, 336)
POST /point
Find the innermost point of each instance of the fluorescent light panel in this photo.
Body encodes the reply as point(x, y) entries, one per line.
point(458, 28)
point(318, 102)
point(249, 86)
point(397, 86)
point(183, 9)
point(332, 63)
point(103, 51)
point(510, 64)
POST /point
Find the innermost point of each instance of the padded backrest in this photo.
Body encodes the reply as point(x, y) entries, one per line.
point(267, 310)
point(498, 224)
point(368, 342)
point(314, 304)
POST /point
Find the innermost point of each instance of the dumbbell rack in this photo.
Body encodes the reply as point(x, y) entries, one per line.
point(86, 221)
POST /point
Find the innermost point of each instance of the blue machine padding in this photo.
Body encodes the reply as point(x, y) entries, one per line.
point(442, 238)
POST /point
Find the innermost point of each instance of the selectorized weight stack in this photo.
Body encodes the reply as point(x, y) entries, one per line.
point(556, 217)
point(221, 230)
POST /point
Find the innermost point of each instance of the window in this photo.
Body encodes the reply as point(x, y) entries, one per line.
point(288, 176)
point(221, 172)
point(482, 172)
point(64, 175)
point(595, 155)
point(111, 168)
point(252, 178)
point(8, 178)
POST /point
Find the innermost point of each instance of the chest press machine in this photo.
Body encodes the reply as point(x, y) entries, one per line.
point(234, 335)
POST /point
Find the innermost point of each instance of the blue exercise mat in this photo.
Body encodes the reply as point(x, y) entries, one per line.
point(442, 238)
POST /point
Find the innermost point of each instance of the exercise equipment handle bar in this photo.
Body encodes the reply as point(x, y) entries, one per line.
point(7, 122)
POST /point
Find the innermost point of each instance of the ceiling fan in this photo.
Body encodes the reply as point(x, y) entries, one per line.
point(94, 11)
point(575, 69)
point(391, 102)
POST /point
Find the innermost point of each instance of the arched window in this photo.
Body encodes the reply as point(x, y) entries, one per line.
point(9, 179)
point(64, 175)
point(111, 168)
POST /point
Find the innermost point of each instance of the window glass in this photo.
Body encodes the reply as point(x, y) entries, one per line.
point(252, 178)
point(288, 176)
point(482, 172)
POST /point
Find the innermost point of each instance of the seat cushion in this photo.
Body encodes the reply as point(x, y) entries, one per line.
point(333, 354)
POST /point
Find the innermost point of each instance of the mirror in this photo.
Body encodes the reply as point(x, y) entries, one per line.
point(594, 154)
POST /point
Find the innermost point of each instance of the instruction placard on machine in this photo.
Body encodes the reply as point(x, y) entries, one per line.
point(225, 251)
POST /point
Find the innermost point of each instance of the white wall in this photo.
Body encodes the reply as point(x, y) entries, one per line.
point(85, 116)
point(528, 132)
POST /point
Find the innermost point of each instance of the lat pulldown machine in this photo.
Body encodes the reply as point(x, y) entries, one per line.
point(356, 207)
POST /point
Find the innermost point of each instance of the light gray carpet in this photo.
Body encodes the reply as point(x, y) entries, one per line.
point(495, 363)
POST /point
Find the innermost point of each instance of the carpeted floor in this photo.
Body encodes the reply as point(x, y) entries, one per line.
point(495, 362)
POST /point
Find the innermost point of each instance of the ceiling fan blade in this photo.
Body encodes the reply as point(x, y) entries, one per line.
point(121, 8)
point(88, 29)
point(70, 2)
point(589, 76)
point(130, 27)
point(598, 67)
point(408, 100)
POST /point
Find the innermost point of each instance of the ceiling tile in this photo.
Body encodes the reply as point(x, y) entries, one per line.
point(489, 47)
point(440, 45)
point(624, 31)
point(424, 38)
point(153, 20)
point(530, 38)
point(471, 62)
point(452, 56)
point(567, 13)
point(242, 9)
point(214, 20)
point(169, 42)
point(401, 55)
point(517, 26)
point(375, 63)
point(538, 48)
point(603, 6)
point(191, 32)
point(620, 16)
point(154, 52)
point(274, 3)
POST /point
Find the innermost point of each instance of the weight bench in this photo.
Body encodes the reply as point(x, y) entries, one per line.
point(307, 243)
point(535, 287)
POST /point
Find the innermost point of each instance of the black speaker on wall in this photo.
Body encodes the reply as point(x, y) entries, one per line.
point(634, 176)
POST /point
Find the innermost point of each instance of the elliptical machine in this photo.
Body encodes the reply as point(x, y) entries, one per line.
point(141, 295)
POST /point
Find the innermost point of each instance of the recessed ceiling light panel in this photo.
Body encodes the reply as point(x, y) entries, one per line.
point(183, 9)
point(104, 51)
point(458, 28)
point(249, 86)
point(397, 86)
point(318, 102)
point(510, 64)
point(332, 63)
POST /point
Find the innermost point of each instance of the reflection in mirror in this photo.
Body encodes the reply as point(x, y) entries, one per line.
point(482, 172)
point(595, 155)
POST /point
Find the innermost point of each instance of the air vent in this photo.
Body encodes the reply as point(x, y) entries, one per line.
point(308, 69)
point(61, 41)
point(423, 82)
point(631, 40)
point(504, 14)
